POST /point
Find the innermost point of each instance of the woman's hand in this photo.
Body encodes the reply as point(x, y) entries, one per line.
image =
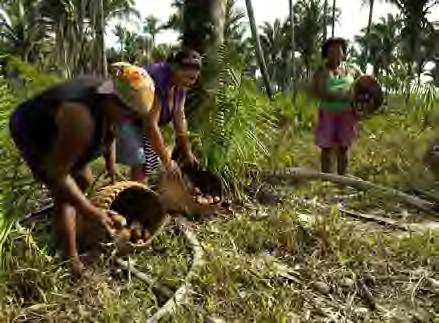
point(102, 216)
point(173, 169)
point(190, 159)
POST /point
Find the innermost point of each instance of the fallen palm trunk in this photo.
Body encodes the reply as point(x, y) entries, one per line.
point(306, 174)
point(411, 227)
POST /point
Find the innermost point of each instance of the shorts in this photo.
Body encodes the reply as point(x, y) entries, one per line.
point(335, 128)
point(133, 149)
point(34, 160)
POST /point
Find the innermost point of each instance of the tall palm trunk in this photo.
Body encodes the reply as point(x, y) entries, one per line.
point(325, 20)
point(203, 24)
point(333, 18)
point(369, 24)
point(259, 54)
point(293, 49)
point(203, 31)
point(122, 40)
point(100, 28)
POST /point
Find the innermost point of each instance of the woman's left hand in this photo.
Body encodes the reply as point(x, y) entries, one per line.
point(190, 159)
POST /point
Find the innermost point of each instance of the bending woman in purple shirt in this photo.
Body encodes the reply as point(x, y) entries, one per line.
point(140, 148)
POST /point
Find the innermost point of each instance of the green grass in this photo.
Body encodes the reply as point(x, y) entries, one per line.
point(262, 267)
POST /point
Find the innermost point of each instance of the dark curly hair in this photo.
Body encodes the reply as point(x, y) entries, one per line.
point(186, 58)
point(334, 41)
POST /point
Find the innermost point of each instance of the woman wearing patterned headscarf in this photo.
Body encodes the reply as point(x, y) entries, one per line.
point(140, 148)
point(62, 129)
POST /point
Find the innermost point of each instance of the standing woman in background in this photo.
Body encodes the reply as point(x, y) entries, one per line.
point(336, 124)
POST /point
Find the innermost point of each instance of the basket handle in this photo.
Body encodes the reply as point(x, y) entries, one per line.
point(93, 186)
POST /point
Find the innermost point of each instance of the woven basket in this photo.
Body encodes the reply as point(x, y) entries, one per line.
point(136, 202)
point(367, 85)
point(178, 197)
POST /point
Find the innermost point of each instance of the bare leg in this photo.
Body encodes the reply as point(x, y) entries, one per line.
point(138, 174)
point(65, 223)
point(342, 160)
point(326, 159)
point(65, 220)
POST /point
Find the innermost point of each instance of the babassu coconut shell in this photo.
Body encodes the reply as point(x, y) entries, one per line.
point(125, 233)
point(119, 221)
point(368, 95)
point(202, 200)
point(136, 234)
point(209, 199)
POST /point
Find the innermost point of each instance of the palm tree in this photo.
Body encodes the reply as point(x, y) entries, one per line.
point(233, 25)
point(333, 18)
point(119, 9)
point(293, 47)
point(152, 27)
point(99, 19)
point(20, 29)
point(120, 33)
point(325, 20)
point(309, 21)
point(369, 23)
point(200, 22)
point(429, 48)
point(434, 72)
point(415, 22)
point(257, 43)
point(101, 12)
point(278, 53)
point(78, 29)
point(383, 41)
point(131, 46)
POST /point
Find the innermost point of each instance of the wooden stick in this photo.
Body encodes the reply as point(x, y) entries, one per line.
point(144, 277)
point(379, 219)
point(368, 297)
point(182, 292)
point(302, 173)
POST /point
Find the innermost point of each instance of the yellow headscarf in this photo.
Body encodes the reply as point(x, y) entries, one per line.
point(134, 86)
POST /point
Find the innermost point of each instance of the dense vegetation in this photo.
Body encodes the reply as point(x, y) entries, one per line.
point(262, 260)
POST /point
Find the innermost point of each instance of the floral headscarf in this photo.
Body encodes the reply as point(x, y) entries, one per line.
point(133, 85)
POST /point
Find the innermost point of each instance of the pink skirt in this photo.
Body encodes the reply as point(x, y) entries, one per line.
point(335, 128)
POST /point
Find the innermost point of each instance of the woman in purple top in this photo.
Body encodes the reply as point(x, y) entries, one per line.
point(140, 148)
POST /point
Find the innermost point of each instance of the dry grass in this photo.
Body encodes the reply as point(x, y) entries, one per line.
point(290, 262)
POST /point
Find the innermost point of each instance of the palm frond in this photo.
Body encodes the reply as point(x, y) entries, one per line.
point(233, 132)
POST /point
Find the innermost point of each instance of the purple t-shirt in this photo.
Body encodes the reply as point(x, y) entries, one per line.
point(161, 74)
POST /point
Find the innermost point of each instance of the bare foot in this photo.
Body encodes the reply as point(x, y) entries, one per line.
point(76, 266)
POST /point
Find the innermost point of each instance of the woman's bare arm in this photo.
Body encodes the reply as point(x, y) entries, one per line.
point(74, 135)
point(181, 130)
